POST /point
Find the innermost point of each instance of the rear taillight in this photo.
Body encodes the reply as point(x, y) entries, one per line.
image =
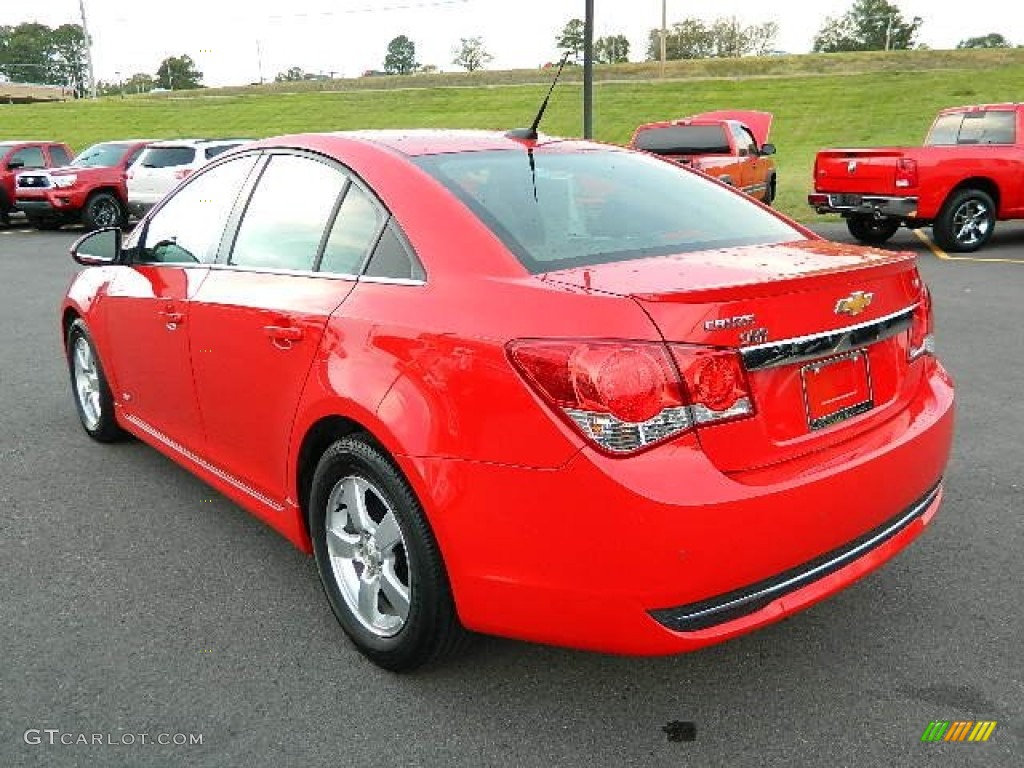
point(922, 328)
point(182, 173)
point(625, 396)
point(906, 173)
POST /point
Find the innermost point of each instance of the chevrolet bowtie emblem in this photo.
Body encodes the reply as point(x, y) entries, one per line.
point(854, 304)
point(851, 167)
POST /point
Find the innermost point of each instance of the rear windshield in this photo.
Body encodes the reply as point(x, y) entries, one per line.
point(212, 152)
point(599, 206)
point(166, 157)
point(981, 127)
point(101, 156)
point(683, 140)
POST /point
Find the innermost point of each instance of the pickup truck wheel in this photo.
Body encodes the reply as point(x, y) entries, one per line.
point(868, 229)
point(103, 210)
point(769, 195)
point(965, 222)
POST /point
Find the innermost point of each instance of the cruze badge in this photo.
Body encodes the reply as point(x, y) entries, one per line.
point(728, 323)
point(854, 304)
point(851, 167)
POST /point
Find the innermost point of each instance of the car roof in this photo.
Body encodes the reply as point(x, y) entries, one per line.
point(416, 142)
point(195, 142)
point(12, 142)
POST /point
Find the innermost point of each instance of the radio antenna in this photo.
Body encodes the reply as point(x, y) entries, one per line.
point(530, 134)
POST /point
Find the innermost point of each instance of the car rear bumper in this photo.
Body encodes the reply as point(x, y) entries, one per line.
point(662, 553)
point(872, 205)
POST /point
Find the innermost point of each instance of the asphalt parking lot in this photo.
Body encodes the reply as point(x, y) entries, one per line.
point(138, 601)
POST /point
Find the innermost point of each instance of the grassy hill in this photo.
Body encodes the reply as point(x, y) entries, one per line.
point(823, 100)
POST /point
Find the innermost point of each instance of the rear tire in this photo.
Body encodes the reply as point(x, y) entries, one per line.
point(378, 561)
point(771, 191)
point(870, 230)
point(966, 221)
point(103, 210)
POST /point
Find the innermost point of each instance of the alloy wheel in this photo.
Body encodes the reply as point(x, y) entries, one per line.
point(368, 555)
point(87, 383)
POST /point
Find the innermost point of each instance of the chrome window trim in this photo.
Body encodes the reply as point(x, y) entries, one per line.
point(806, 348)
point(282, 271)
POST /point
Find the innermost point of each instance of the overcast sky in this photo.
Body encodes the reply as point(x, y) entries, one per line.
point(350, 36)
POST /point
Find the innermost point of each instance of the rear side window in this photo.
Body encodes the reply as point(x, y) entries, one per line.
point(29, 157)
point(990, 127)
point(684, 140)
point(59, 156)
point(287, 215)
point(355, 230)
point(167, 157)
point(393, 259)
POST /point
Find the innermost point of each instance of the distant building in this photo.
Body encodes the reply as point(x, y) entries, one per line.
point(24, 93)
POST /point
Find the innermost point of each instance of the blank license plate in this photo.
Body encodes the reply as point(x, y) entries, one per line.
point(837, 389)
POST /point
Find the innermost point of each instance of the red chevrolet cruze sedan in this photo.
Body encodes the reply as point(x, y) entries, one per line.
point(540, 388)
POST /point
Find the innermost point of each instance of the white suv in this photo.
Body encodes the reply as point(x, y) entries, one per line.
point(164, 163)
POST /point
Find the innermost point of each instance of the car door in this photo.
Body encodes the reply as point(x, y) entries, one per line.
point(755, 167)
point(146, 304)
point(258, 319)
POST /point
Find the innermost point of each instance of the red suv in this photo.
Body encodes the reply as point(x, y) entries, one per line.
point(91, 189)
point(18, 155)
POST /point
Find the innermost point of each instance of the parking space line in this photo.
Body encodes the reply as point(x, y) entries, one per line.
point(941, 254)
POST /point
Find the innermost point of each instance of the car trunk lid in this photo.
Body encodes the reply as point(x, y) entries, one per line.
point(822, 329)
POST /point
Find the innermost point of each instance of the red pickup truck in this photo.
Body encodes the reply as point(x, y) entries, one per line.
point(91, 190)
point(968, 175)
point(730, 145)
point(16, 156)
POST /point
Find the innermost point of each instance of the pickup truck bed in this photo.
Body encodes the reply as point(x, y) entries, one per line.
point(968, 175)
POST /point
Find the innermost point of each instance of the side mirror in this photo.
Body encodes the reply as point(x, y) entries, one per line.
point(768, 149)
point(15, 165)
point(99, 248)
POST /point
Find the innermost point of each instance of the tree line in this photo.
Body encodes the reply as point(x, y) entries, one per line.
point(42, 55)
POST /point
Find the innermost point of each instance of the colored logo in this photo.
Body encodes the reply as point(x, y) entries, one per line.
point(958, 730)
point(854, 304)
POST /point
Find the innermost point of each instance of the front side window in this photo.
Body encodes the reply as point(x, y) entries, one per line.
point(745, 142)
point(559, 210)
point(29, 157)
point(189, 225)
point(287, 214)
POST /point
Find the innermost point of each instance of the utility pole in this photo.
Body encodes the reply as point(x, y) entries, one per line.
point(588, 71)
point(88, 50)
point(259, 60)
point(664, 33)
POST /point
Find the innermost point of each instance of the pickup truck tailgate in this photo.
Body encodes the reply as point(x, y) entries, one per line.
point(869, 171)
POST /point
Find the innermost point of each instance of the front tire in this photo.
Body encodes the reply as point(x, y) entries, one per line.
point(966, 221)
point(870, 230)
point(103, 210)
point(378, 561)
point(93, 399)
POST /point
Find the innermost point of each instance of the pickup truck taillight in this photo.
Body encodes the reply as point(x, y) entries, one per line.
point(182, 173)
point(625, 396)
point(922, 328)
point(906, 173)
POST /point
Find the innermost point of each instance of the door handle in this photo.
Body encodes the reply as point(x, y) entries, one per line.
point(283, 336)
point(172, 318)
